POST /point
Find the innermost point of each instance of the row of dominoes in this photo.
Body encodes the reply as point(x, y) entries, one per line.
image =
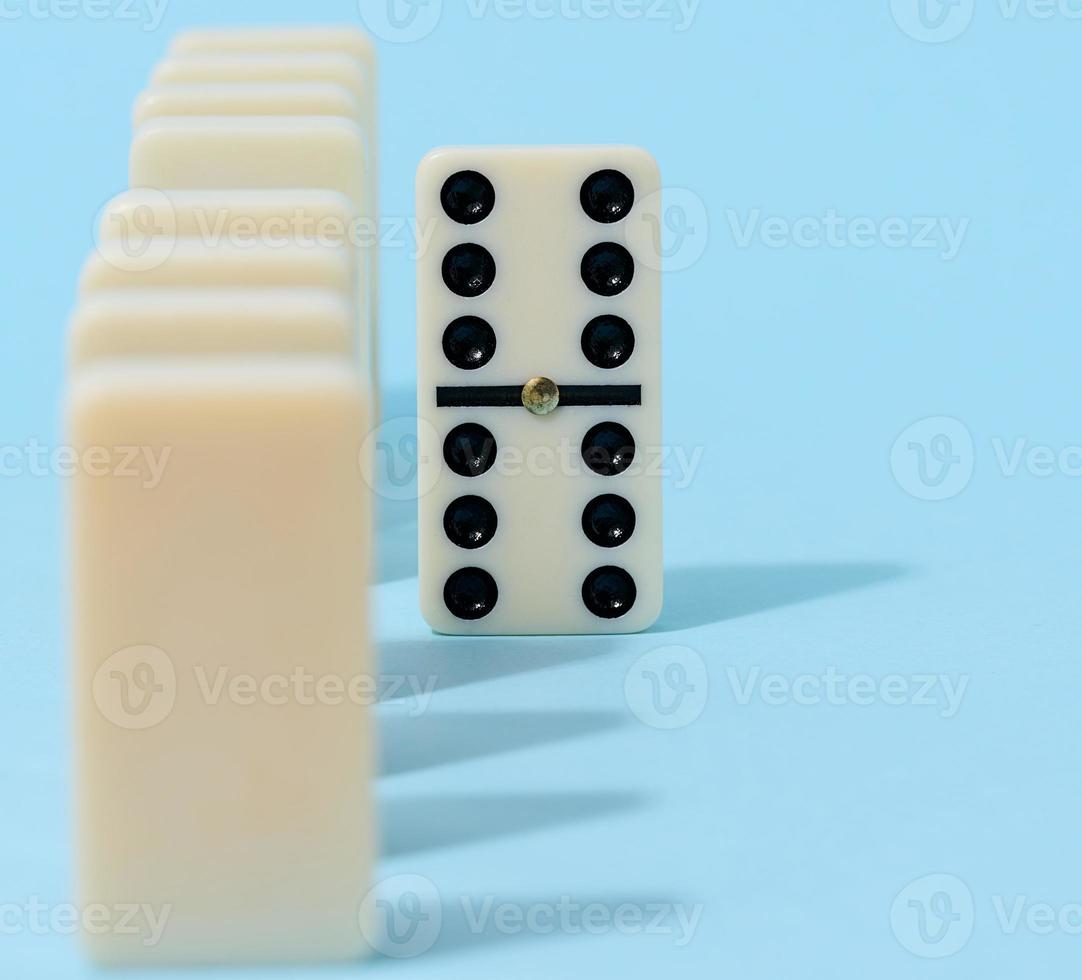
point(224, 346)
point(224, 341)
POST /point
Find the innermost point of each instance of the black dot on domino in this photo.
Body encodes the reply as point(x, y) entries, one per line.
point(608, 448)
point(470, 593)
point(607, 196)
point(608, 520)
point(468, 197)
point(607, 269)
point(469, 449)
point(469, 269)
point(609, 592)
point(470, 522)
point(608, 341)
point(469, 342)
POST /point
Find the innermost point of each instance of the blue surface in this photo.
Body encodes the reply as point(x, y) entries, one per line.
point(808, 542)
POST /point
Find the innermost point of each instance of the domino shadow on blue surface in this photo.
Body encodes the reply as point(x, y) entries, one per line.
point(416, 823)
point(458, 932)
point(408, 744)
point(705, 594)
point(450, 661)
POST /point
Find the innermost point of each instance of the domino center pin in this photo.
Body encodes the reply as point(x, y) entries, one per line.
point(540, 396)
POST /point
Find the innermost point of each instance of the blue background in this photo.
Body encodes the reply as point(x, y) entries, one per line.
point(797, 547)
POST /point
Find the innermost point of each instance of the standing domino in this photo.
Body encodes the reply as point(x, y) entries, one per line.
point(242, 819)
point(539, 396)
point(340, 55)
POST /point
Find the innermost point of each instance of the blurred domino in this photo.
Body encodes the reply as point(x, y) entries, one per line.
point(166, 232)
point(255, 66)
point(191, 262)
point(142, 324)
point(259, 152)
point(206, 213)
point(246, 99)
point(286, 53)
point(539, 390)
point(224, 152)
point(239, 549)
point(344, 40)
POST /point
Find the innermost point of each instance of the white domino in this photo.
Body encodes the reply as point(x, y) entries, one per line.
point(337, 55)
point(257, 66)
point(131, 323)
point(231, 548)
point(246, 99)
point(211, 215)
point(212, 153)
point(238, 152)
point(194, 263)
point(539, 519)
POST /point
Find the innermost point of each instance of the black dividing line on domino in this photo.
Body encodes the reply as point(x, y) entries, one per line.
point(510, 396)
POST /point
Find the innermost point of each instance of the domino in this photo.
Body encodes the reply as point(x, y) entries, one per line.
point(253, 66)
point(210, 214)
point(144, 324)
point(219, 152)
point(344, 40)
point(260, 152)
point(339, 55)
point(194, 263)
point(246, 99)
point(232, 548)
point(539, 391)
